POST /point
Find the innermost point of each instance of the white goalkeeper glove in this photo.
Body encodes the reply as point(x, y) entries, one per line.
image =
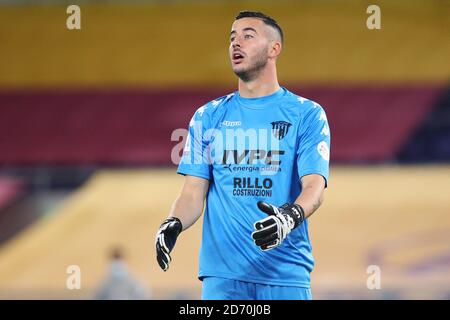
point(272, 230)
point(165, 240)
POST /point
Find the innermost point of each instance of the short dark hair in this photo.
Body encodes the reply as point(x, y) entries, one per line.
point(265, 18)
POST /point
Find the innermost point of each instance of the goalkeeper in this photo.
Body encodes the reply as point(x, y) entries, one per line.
point(255, 242)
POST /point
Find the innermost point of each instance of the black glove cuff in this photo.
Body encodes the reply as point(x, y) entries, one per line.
point(178, 224)
point(301, 213)
point(296, 212)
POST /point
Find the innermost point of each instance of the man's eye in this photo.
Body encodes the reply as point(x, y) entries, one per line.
point(232, 39)
point(248, 36)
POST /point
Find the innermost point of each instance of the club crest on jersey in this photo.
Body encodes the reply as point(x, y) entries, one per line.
point(280, 129)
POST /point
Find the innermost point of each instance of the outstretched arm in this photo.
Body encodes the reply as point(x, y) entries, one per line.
point(185, 211)
point(271, 231)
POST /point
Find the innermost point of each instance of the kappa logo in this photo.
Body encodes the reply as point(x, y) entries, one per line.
point(227, 123)
point(280, 129)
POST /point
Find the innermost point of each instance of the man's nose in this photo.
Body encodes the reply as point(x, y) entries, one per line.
point(236, 44)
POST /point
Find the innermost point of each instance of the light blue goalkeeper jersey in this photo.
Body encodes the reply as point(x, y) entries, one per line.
point(253, 149)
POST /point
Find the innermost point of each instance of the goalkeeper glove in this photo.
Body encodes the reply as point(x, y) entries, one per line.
point(272, 230)
point(165, 240)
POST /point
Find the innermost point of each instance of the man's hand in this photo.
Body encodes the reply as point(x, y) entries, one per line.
point(271, 231)
point(165, 240)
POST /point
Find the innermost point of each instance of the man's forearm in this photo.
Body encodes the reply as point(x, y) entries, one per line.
point(311, 197)
point(187, 209)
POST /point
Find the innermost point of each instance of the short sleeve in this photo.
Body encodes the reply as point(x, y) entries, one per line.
point(195, 161)
point(313, 153)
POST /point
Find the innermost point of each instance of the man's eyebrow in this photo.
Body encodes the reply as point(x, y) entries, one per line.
point(250, 29)
point(245, 29)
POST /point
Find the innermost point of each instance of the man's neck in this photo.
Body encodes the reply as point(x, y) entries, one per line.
point(265, 84)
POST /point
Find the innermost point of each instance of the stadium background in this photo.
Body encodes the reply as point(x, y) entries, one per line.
point(86, 118)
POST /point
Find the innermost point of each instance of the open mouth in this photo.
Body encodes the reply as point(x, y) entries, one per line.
point(237, 57)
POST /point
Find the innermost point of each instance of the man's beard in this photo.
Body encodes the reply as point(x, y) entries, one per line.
point(253, 71)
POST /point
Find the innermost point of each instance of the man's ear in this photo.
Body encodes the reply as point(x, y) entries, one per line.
point(274, 49)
